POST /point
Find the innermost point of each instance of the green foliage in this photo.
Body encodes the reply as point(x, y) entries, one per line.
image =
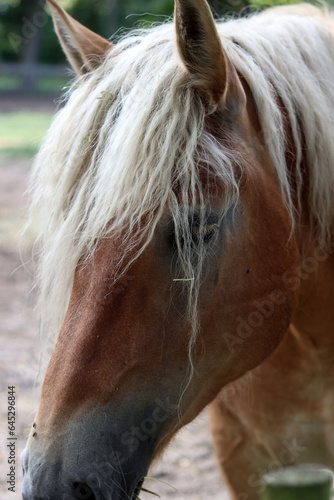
point(272, 3)
point(21, 133)
point(10, 14)
point(50, 50)
point(145, 12)
point(4, 4)
point(8, 82)
point(101, 16)
point(98, 15)
point(91, 14)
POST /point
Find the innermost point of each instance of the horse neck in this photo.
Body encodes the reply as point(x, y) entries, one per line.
point(314, 318)
point(314, 276)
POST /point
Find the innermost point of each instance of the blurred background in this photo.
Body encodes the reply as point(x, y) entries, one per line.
point(31, 61)
point(30, 57)
point(33, 67)
point(33, 74)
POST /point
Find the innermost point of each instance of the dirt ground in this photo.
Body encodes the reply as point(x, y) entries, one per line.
point(188, 464)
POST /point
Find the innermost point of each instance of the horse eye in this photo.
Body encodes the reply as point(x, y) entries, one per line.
point(203, 233)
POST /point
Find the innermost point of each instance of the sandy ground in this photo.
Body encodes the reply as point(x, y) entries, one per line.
point(188, 464)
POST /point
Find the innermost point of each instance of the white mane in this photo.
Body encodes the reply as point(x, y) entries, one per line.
point(134, 125)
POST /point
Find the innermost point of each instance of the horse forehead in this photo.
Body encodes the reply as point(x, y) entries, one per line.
point(114, 266)
point(101, 264)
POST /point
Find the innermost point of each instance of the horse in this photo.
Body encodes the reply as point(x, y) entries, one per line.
point(185, 202)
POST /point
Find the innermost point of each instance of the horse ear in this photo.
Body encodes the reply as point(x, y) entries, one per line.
point(83, 48)
point(201, 50)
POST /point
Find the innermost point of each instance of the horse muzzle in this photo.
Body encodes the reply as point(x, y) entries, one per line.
point(104, 481)
point(99, 455)
point(93, 466)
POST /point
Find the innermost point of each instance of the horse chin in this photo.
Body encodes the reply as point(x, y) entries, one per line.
point(88, 494)
point(137, 491)
point(79, 490)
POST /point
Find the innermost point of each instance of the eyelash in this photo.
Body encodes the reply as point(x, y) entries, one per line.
point(199, 232)
point(205, 232)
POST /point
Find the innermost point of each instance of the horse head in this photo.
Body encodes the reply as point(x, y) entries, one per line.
point(178, 292)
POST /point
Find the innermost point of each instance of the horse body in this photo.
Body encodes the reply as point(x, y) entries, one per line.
point(192, 231)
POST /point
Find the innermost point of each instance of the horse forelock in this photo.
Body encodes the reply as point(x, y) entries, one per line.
point(135, 128)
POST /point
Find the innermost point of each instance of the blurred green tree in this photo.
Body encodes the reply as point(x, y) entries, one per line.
point(271, 3)
point(26, 31)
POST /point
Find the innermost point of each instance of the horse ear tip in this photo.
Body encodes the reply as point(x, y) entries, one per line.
point(53, 5)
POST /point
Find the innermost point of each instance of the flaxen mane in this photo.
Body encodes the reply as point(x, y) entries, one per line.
point(134, 128)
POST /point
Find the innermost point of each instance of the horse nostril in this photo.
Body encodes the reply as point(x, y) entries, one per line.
point(83, 492)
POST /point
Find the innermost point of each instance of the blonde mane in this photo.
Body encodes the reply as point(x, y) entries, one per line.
point(135, 126)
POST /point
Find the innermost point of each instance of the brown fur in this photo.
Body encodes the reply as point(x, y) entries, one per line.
point(125, 343)
point(83, 48)
point(210, 70)
point(280, 414)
